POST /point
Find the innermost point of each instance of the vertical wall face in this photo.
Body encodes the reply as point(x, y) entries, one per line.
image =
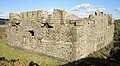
point(93, 34)
point(41, 32)
point(60, 34)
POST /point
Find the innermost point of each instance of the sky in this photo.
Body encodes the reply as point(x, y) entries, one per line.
point(82, 8)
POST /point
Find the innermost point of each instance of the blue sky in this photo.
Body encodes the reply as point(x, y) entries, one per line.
point(79, 7)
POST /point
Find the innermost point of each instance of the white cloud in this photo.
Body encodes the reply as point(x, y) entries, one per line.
point(117, 11)
point(4, 15)
point(1, 12)
point(50, 11)
point(83, 15)
point(88, 8)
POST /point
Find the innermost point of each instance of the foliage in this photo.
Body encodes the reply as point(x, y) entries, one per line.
point(117, 30)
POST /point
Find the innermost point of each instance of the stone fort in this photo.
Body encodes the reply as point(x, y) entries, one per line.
point(60, 34)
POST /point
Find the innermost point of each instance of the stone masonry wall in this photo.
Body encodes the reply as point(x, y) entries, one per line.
point(93, 34)
point(60, 34)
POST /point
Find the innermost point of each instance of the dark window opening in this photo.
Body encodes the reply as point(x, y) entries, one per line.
point(31, 32)
point(17, 23)
point(90, 16)
point(13, 25)
point(101, 12)
point(74, 23)
point(47, 25)
point(95, 13)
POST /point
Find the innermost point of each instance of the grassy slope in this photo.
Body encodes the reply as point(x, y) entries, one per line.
point(11, 53)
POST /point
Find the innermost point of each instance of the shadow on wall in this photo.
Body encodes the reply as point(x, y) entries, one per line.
point(113, 60)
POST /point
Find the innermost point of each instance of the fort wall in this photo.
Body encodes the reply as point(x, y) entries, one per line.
point(60, 34)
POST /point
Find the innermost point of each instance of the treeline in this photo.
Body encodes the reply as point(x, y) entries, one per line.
point(117, 31)
point(3, 21)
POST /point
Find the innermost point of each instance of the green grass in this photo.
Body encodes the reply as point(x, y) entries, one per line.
point(12, 53)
